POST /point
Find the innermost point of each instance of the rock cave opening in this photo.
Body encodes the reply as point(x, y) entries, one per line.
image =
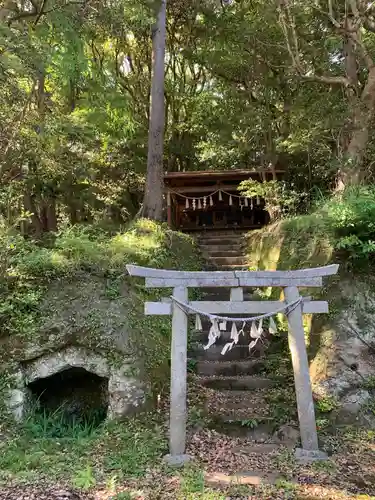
point(73, 396)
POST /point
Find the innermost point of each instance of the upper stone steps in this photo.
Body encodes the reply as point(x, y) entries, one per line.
point(220, 251)
point(213, 233)
point(229, 368)
point(228, 260)
point(236, 383)
point(219, 245)
point(235, 392)
point(223, 240)
point(237, 405)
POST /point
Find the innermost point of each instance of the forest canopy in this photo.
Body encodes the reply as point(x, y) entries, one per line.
point(248, 84)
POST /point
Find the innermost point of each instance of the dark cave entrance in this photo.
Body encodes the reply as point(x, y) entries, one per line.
point(73, 397)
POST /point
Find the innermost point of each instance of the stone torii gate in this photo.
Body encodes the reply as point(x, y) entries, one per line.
point(181, 281)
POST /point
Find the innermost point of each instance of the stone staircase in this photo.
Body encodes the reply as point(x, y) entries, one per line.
point(234, 385)
point(223, 249)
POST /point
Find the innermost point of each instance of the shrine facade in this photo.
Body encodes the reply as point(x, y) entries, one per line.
point(211, 200)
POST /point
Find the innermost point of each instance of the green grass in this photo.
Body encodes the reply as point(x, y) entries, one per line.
point(83, 455)
point(58, 424)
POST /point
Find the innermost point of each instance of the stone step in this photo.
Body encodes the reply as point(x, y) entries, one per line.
point(257, 449)
point(250, 428)
point(229, 368)
point(253, 478)
point(218, 252)
point(249, 417)
point(223, 294)
point(247, 383)
point(220, 245)
point(237, 405)
point(235, 267)
point(220, 240)
point(238, 352)
point(228, 261)
point(221, 232)
point(208, 246)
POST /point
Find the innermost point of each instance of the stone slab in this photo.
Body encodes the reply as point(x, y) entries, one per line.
point(257, 449)
point(177, 460)
point(240, 351)
point(229, 368)
point(254, 478)
point(237, 383)
point(307, 456)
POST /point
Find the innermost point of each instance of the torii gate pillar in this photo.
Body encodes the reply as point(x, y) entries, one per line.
point(180, 281)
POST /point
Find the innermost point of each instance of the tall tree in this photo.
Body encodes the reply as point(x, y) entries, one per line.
point(351, 22)
point(153, 198)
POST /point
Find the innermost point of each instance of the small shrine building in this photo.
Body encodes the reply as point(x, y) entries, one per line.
point(205, 200)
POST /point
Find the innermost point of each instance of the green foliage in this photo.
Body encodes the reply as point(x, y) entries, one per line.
point(322, 424)
point(192, 481)
point(350, 219)
point(57, 424)
point(282, 402)
point(326, 466)
point(342, 224)
point(369, 383)
point(139, 447)
point(327, 404)
point(251, 423)
point(278, 197)
point(127, 449)
point(123, 495)
point(197, 417)
point(84, 478)
point(192, 365)
point(75, 95)
point(286, 486)
point(80, 252)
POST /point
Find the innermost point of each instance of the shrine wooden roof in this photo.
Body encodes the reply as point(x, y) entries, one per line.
point(204, 177)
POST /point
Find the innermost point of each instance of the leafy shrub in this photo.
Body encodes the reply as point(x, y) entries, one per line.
point(84, 478)
point(343, 224)
point(326, 404)
point(279, 198)
point(350, 221)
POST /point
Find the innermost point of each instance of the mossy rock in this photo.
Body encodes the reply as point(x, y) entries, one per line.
point(341, 345)
point(76, 294)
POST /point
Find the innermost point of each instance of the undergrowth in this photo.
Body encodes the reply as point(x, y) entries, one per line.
point(48, 448)
point(58, 423)
point(77, 255)
point(340, 226)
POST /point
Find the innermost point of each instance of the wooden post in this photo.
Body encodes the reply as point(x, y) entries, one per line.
point(169, 209)
point(178, 414)
point(236, 294)
point(305, 404)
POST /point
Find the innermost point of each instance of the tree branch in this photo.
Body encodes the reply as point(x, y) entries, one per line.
point(40, 12)
point(352, 28)
point(356, 36)
point(331, 15)
point(291, 39)
point(369, 24)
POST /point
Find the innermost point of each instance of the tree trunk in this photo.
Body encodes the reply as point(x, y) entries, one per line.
point(30, 207)
point(351, 172)
point(153, 197)
point(48, 215)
